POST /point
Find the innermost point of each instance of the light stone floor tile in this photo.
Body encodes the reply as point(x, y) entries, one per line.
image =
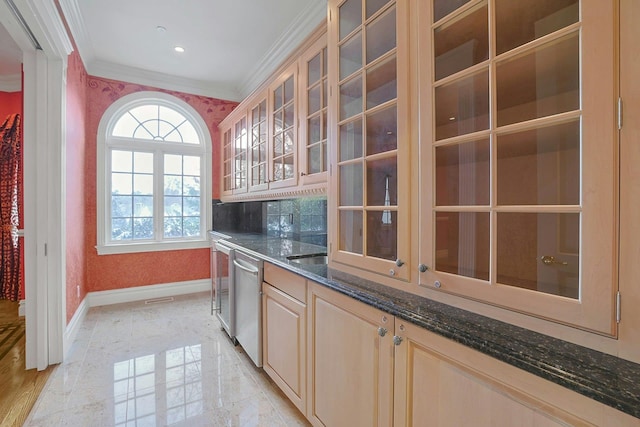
point(160, 364)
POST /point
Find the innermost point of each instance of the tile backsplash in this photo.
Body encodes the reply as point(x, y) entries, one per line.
point(303, 219)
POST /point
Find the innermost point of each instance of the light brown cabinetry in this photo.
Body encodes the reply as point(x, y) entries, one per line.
point(518, 156)
point(284, 331)
point(314, 94)
point(369, 127)
point(277, 138)
point(365, 367)
point(442, 383)
point(350, 361)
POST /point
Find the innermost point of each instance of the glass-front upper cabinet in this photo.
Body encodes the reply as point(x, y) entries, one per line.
point(258, 146)
point(227, 161)
point(239, 148)
point(518, 155)
point(368, 120)
point(283, 135)
point(313, 159)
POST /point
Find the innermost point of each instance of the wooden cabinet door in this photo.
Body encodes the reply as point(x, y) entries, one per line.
point(369, 127)
point(313, 158)
point(442, 383)
point(227, 161)
point(518, 146)
point(258, 136)
point(283, 132)
point(350, 362)
point(284, 346)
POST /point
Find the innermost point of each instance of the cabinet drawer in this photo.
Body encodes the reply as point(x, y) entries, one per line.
point(287, 282)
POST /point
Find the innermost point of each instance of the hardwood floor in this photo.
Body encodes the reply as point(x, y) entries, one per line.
point(20, 388)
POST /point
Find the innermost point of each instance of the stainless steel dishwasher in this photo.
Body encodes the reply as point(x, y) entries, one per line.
point(247, 278)
point(225, 294)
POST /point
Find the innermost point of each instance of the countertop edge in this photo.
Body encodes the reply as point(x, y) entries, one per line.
point(558, 361)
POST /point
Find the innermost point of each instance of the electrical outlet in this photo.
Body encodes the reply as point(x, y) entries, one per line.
point(78, 290)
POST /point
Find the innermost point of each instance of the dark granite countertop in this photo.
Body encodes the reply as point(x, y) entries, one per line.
point(607, 379)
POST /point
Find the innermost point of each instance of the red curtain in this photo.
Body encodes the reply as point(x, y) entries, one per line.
point(10, 175)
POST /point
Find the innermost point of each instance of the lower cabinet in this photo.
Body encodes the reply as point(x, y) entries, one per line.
point(350, 361)
point(284, 329)
point(363, 367)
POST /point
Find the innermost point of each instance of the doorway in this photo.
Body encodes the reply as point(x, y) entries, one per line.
point(36, 28)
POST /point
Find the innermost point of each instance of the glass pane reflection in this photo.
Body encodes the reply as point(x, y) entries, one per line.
point(381, 35)
point(540, 166)
point(382, 182)
point(351, 231)
point(462, 106)
point(351, 185)
point(462, 243)
point(382, 234)
point(382, 132)
point(540, 252)
point(463, 174)
point(519, 22)
point(351, 140)
point(463, 43)
point(541, 83)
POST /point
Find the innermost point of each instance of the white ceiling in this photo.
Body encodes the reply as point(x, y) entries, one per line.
point(230, 45)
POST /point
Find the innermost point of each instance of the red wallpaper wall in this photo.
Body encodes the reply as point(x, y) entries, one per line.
point(10, 103)
point(108, 272)
point(76, 222)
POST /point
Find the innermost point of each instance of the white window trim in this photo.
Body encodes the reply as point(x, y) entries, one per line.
point(107, 122)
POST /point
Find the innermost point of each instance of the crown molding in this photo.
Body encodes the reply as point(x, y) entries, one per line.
point(159, 80)
point(12, 83)
point(299, 29)
point(73, 17)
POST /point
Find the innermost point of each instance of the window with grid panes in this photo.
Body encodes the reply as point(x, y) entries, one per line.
point(154, 154)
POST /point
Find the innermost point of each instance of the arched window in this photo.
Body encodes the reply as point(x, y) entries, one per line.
point(154, 169)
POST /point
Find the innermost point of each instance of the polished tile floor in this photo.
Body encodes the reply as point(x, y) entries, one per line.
point(156, 364)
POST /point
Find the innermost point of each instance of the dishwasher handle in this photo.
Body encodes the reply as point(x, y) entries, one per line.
point(253, 271)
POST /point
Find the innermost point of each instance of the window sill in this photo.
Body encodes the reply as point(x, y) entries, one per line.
point(129, 248)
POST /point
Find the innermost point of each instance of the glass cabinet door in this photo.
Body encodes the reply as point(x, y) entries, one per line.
point(519, 154)
point(258, 146)
point(240, 170)
point(313, 131)
point(368, 43)
point(283, 130)
point(227, 162)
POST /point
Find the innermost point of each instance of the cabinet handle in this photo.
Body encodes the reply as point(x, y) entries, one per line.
point(397, 340)
point(422, 268)
point(550, 260)
point(399, 262)
point(382, 331)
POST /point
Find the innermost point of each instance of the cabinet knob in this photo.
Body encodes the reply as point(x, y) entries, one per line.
point(302, 174)
point(399, 262)
point(397, 340)
point(382, 331)
point(392, 272)
point(422, 268)
point(437, 284)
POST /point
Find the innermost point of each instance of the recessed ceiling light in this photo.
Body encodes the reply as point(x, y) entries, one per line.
point(161, 29)
point(179, 49)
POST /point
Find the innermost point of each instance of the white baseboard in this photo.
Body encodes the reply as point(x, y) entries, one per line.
point(117, 296)
point(22, 308)
point(71, 332)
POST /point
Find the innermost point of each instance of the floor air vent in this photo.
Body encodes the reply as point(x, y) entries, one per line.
point(158, 300)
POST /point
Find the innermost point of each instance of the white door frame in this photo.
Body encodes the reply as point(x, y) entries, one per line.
point(44, 139)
